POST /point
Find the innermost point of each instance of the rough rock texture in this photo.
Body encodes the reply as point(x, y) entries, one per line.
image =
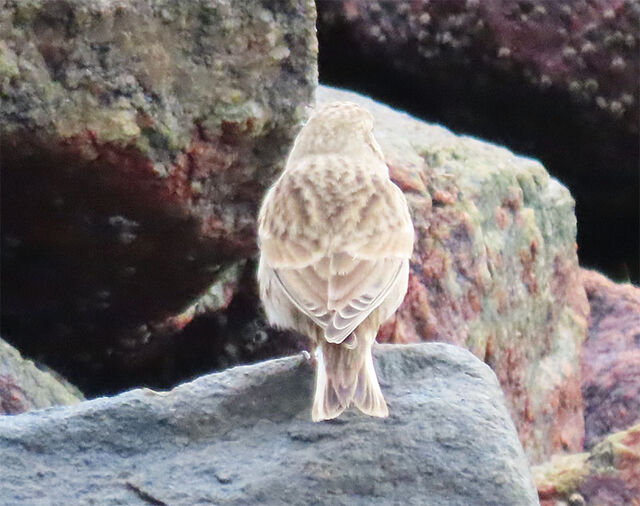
point(494, 269)
point(609, 475)
point(137, 139)
point(24, 387)
point(555, 80)
point(611, 357)
point(231, 438)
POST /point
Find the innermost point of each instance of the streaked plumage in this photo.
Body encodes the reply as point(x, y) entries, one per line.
point(335, 237)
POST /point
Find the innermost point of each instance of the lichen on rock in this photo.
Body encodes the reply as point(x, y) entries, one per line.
point(24, 386)
point(609, 474)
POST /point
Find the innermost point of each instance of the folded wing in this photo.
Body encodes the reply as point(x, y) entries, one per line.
point(337, 277)
point(340, 300)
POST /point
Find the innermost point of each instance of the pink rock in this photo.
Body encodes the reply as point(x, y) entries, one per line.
point(610, 357)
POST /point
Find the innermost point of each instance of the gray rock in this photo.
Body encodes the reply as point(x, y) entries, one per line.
point(23, 386)
point(244, 436)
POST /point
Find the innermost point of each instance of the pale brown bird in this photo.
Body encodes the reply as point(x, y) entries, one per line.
point(335, 238)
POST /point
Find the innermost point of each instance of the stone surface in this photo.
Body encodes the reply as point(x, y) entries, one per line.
point(554, 80)
point(494, 269)
point(244, 436)
point(137, 139)
point(24, 387)
point(608, 475)
point(611, 357)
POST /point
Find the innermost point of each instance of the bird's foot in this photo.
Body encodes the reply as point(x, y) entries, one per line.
point(309, 358)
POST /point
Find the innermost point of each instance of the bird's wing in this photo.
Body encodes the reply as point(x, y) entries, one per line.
point(339, 293)
point(307, 289)
point(356, 288)
point(337, 277)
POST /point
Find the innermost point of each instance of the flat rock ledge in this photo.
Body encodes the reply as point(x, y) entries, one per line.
point(244, 436)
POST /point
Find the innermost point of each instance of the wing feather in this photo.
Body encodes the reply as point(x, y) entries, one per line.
point(351, 312)
point(339, 317)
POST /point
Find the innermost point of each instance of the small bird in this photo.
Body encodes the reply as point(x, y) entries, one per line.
point(335, 240)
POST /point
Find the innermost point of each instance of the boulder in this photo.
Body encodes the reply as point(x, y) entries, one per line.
point(610, 357)
point(137, 139)
point(555, 80)
point(23, 386)
point(607, 475)
point(494, 269)
point(244, 436)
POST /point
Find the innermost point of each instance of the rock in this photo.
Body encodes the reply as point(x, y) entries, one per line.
point(554, 80)
point(608, 475)
point(24, 387)
point(611, 357)
point(231, 438)
point(137, 140)
point(494, 269)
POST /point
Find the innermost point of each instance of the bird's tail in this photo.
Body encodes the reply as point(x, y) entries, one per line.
point(346, 376)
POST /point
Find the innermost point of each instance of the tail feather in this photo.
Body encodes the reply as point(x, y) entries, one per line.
point(368, 397)
point(346, 376)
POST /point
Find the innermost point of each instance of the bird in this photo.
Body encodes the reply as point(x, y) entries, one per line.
point(335, 237)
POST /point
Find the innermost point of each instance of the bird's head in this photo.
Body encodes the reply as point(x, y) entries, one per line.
point(338, 128)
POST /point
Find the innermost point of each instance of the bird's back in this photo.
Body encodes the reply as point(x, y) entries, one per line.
point(334, 204)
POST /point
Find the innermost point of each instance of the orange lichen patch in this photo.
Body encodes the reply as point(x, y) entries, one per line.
point(197, 163)
point(568, 419)
point(513, 199)
point(414, 320)
point(407, 178)
point(489, 354)
point(527, 259)
point(501, 217)
point(434, 265)
point(626, 450)
point(444, 197)
point(12, 398)
point(632, 439)
point(528, 414)
point(473, 302)
point(143, 120)
point(502, 299)
point(209, 157)
point(181, 320)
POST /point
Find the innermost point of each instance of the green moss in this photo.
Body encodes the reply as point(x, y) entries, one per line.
point(8, 63)
point(563, 473)
point(606, 454)
point(8, 68)
point(25, 11)
point(116, 124)
point(248, 115)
